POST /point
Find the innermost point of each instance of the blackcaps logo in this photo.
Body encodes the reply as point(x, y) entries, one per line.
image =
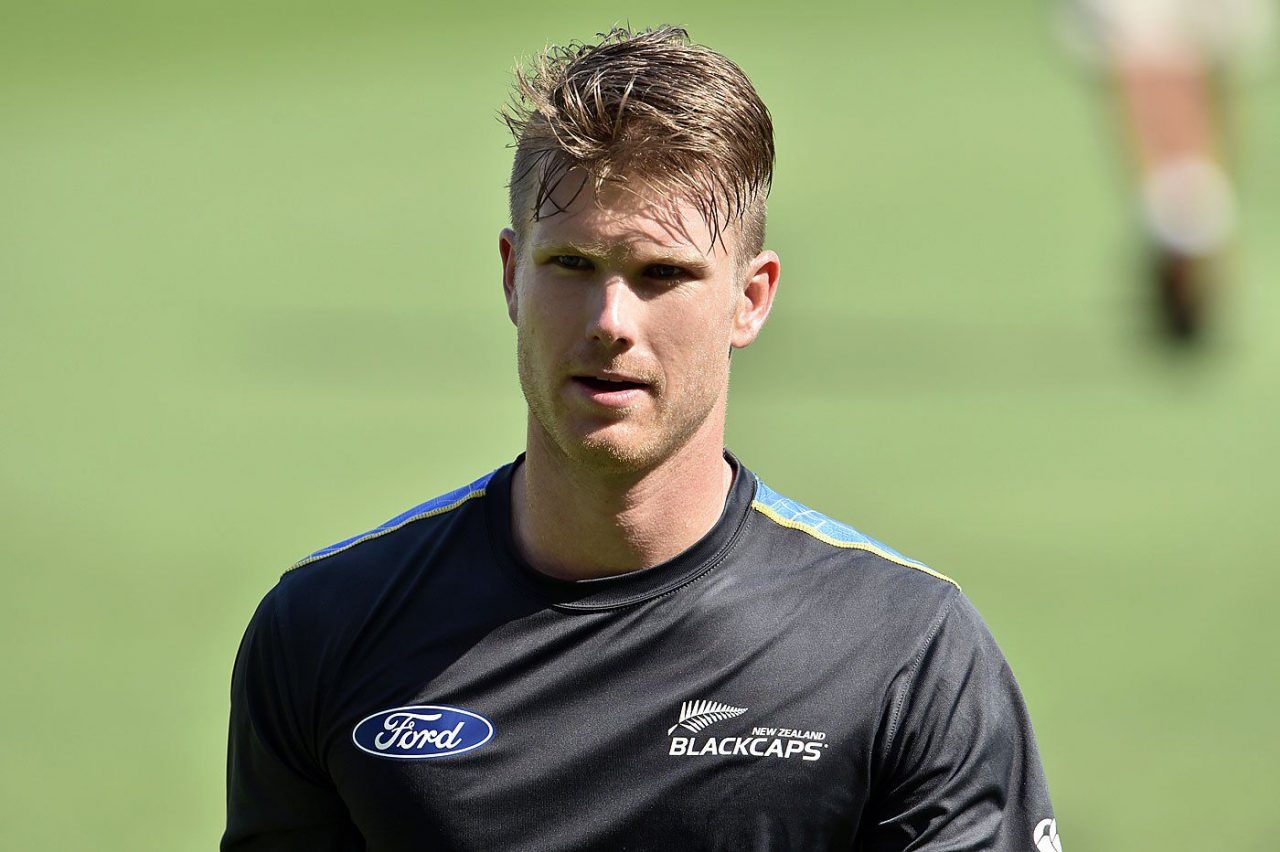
point(763, 740)
point(422, 732)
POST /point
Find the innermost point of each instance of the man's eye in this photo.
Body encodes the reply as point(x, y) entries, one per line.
point(571, 261)
point(664, 271)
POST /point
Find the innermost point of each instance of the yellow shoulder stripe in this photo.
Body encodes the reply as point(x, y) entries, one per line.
point(389, 527)
point(868, 546)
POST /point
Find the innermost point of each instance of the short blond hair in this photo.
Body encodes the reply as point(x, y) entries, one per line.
point(646, 108)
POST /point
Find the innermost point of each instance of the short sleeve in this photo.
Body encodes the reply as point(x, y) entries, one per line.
point(959, 769)
point(277, 796)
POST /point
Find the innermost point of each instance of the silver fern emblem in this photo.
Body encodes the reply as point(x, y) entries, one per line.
point(696, 715)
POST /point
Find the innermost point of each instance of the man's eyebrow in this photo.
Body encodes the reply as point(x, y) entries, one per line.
point(692, 260)
point(555, 247)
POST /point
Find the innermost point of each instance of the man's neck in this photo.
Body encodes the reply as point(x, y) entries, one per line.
point(577, 523)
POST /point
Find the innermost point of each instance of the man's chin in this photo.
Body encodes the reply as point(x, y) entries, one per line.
point(613, 448)
point(621, 456)
point(630, 445)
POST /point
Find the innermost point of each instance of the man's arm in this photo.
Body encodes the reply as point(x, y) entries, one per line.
point(959, 769)
point(277, 796)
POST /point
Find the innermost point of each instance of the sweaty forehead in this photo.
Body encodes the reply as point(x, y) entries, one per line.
point(620, 219)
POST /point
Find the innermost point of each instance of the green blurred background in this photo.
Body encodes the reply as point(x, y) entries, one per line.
point(251, 305)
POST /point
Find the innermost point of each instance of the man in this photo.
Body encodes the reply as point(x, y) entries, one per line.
point(624, 639)
point(1169, 63)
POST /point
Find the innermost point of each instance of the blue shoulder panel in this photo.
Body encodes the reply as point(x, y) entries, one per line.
point(789, 513)
point(435, 506)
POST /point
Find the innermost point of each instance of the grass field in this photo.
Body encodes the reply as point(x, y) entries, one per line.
point(251, 306)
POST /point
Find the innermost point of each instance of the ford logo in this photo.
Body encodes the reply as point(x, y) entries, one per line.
point(421, 733)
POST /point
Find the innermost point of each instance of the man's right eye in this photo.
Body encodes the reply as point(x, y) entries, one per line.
point(571, 261)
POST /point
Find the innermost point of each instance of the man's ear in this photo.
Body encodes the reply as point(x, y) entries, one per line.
point(507, 249)
point(756, 301)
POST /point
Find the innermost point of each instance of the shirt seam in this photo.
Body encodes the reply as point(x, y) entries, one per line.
point(313, 766)
point(895, 718)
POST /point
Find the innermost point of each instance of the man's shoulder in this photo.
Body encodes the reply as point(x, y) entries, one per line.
point(846, 589)
point(842, 576)
point(359, 560)
point(823, 537)
point(435, 507)
point(361, 587)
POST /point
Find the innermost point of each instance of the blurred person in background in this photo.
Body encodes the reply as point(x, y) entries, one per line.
point(1170, 63)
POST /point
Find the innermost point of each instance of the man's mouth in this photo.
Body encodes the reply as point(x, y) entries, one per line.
point(611, 390)
point(600, 384)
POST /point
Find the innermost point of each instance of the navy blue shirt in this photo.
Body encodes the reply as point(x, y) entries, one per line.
point(785, 683)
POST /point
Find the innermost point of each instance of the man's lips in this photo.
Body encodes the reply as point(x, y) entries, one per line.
point(607, 384)
point(610, 390)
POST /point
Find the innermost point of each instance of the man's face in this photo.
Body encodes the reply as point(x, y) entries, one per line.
point(625, 316)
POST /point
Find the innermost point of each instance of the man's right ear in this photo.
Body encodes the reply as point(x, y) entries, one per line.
point(507, 249)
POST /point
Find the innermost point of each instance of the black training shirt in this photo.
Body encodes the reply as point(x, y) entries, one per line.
point(785, 683)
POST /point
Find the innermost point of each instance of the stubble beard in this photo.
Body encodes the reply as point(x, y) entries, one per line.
point(671, 431)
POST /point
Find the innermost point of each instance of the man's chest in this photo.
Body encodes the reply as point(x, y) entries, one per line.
point(710, 730)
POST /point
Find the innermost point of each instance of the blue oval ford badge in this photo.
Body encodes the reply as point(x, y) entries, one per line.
point(421, 733)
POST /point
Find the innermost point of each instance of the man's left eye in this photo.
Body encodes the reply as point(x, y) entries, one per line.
point(664, 271)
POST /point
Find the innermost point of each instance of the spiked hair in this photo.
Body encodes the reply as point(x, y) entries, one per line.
point(649, 111)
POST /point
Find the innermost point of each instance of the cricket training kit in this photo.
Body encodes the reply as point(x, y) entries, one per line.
point(785, 683)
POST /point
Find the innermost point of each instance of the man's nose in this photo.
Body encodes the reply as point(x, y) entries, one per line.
point(614, 315)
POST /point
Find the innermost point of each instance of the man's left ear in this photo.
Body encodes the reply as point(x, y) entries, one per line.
point(757, 298)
